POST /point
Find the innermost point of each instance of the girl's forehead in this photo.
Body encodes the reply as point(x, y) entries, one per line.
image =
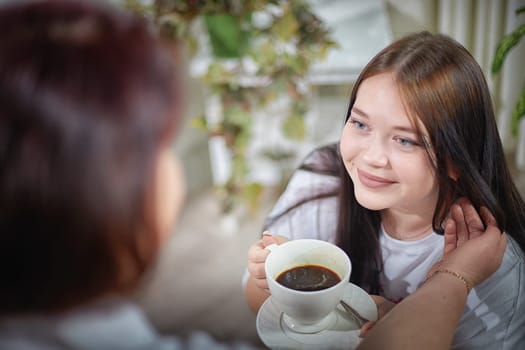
point(381, 96)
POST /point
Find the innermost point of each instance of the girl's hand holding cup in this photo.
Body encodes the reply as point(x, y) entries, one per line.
point(257, 255)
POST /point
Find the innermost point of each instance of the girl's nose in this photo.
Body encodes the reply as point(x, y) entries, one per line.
point(375, 153)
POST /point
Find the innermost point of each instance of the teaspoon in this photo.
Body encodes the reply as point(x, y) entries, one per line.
point(355, 315)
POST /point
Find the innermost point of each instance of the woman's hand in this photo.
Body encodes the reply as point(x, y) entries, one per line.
point(383, 307)
point(474, 245)
point(257, 255)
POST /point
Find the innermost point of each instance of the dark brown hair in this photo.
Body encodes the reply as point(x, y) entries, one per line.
point(87, 99)
point(443, 86)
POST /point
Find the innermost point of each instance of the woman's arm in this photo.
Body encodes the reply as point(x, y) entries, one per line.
point(426, 319)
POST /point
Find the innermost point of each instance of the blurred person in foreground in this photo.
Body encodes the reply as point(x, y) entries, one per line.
point(89, 188)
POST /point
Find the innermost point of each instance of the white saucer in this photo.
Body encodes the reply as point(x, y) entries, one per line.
point(341, 334)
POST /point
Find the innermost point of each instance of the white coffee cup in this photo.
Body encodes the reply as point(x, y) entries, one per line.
point(307, 311)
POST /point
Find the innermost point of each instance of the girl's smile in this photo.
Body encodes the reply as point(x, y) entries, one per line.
point(372, 181)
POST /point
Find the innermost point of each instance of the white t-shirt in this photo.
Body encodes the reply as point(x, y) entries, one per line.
point(406, 263)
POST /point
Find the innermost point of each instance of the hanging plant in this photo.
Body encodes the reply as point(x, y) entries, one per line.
point(273, 43)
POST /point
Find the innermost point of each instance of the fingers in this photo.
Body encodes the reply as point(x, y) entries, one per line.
point(462, 230)
point(256, 270)
point(487, 217)
point(472, 219)
point(268, 238)
point(479, 257)
point(262, 284)
point(468, 223)
point(383, 307)
point(257, 255)
point(450, 236)
point(365, 328)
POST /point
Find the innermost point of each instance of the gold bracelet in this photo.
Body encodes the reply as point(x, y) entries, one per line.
point(453, 273)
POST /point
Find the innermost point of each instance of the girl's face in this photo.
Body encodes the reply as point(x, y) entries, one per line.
point(390, 169)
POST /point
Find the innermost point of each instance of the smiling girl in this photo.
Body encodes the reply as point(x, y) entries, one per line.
point(420, 133)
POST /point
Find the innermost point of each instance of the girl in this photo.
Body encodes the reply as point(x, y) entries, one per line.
point(420, 133)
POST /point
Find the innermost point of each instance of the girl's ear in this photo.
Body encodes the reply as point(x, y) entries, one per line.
point(453, 172)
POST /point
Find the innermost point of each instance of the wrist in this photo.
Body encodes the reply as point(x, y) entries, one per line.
point(452, 274)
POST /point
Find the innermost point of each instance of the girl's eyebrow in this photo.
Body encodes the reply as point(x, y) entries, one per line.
point(360, 112)
point(363, 114)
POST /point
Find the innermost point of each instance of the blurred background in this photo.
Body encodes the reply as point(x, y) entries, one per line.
point(266, 82)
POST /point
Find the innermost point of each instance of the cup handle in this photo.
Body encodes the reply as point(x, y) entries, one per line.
point(272, 247)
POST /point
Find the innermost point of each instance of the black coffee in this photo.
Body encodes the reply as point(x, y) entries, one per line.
point(308, 278)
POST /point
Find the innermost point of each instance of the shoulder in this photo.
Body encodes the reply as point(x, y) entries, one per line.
point(510, 277)
point(314, 179)
point(495, 312)
point(512, 269)
point(314, 218)
point(307, 208)
point(323, 160)
point(319, 170)
point(315, 183)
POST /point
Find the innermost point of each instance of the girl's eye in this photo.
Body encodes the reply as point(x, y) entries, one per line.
point(406, 142)
point(357, 124)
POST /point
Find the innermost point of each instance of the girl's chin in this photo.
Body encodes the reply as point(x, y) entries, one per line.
point(370, 203)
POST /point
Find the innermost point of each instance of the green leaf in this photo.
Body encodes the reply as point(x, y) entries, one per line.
point(298, 63)
point(294, 127)
point(252, 195)
point(217, 74)
point(238, 116)
point(504, 46)
point(286, 26)
point(227, 37)
point(200, 122)
point(239, 169)
point(265, 54)
point(519, 112)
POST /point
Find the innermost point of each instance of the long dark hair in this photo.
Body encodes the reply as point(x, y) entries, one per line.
point(443, 86)
point(87, 97)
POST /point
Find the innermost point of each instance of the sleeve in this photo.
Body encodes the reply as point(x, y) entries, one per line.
point(200, 340)
point(307, 208)
point(494, 317)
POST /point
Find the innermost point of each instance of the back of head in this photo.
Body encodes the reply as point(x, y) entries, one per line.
point(87, 97)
